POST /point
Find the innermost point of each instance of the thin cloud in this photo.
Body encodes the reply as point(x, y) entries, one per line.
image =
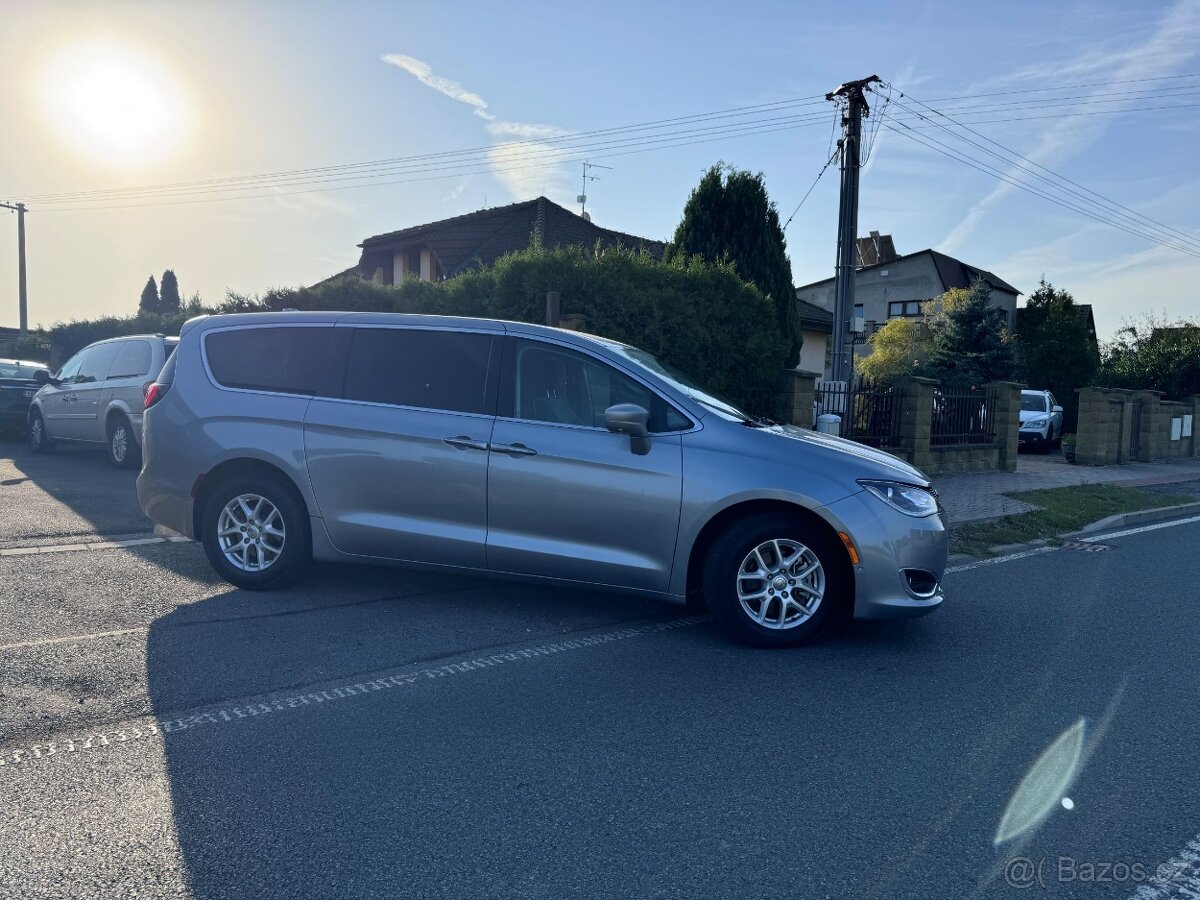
point(423, 72)
point(1174, 41)
point(519, 143)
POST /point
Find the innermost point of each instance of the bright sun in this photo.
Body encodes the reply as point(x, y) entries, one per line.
point(115, 104)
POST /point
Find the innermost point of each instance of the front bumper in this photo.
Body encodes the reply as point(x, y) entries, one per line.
point(889, 543)
point(1032, 437)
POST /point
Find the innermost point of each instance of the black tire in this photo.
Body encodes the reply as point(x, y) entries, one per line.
point(723, 563)
point(39, 441)
point(131, 457)
point(296, 550)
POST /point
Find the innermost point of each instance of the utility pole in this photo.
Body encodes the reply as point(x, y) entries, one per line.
point(22, 299)
point(843, 302)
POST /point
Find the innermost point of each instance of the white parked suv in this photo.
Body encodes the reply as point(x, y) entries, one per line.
point(98, 396)
point(1041, 420)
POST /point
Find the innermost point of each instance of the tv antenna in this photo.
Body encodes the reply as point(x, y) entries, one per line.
point(582, 198)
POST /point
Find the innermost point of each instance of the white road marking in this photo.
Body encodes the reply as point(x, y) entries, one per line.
point(95, 545)
point(71, 639)
point(1139, 530)
point(999, 559)
point(1176, 879)
point(1094, 539)
point(151, 726)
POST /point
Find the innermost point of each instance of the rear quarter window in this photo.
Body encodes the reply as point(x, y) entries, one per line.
point(285, 360)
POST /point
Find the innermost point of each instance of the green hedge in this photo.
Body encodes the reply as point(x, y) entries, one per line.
point(699, 317)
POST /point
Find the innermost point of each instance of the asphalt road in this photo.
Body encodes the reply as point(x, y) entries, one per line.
point(378, 733)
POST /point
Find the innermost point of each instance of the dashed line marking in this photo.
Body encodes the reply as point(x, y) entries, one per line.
point(73, 638)
point(996, 560)
point(95, 545)
point(149, 726)
point(1176, 879)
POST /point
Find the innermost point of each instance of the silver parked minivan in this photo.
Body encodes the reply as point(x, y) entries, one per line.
point(97, 396)
point(477, 446)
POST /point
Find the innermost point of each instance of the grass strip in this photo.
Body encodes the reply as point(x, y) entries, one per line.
point(1060, 510)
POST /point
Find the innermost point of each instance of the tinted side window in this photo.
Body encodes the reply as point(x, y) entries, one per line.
point(284, 360)
point(549, 384)
point(132, 360)
point(71, 368)
point(414, 367)
point(97, 363)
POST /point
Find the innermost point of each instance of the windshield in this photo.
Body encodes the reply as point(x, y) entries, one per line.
point(682, 383)
point(1033, 403)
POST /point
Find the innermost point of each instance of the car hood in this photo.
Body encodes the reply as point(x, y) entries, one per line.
point(872, 463)
point(1027, 414)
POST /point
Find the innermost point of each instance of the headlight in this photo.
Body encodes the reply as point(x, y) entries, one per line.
point(907, 498)
point(1036, 423)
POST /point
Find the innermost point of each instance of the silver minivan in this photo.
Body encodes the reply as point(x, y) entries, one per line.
point(477, 446)
point(97, 396)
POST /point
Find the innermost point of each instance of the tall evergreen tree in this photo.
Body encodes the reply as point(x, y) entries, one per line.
point(168, 293)
point(729, 217)
point(970, 343)
point(1058, 352)
point(149, 301)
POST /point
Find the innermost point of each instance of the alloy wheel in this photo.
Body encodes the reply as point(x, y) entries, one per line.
point(120, 443)
point(251, 532)
point(780, 584)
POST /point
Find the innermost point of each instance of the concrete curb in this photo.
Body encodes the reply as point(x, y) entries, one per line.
point(1141, 517)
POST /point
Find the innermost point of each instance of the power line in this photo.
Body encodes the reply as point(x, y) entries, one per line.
point(731, 112)
point(1068, 87)
point(939, 147)
point(828, 163)
point(428, 162)
point(1101, 200)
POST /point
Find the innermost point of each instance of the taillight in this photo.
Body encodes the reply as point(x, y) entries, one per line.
point(154, 393)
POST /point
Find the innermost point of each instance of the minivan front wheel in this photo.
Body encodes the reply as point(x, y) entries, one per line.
point(773, 581)
point(39, 441)
point(254, 534)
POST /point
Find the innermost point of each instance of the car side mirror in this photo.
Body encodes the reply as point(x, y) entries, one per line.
point(1056, 409)
point(41, 376)
point(633, 420)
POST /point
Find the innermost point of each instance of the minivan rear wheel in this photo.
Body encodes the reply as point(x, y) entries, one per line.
point(123, 451)
point(773, 581)
point(254, 532)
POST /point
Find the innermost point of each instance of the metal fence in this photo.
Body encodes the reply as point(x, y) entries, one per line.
point(962, 417)
point(869, 414)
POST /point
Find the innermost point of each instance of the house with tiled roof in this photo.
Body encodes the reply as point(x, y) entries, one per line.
point(888, 285)
point(439, 250)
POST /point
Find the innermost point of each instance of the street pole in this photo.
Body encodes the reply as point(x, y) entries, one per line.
point(843, 300)
point(21, 297)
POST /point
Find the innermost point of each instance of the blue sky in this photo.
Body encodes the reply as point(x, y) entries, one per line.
point(247, 88)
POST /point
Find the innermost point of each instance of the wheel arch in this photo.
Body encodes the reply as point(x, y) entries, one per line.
point(239, 467)
point(746, 509)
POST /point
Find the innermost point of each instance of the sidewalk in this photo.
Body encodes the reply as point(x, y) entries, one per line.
point(979, 495)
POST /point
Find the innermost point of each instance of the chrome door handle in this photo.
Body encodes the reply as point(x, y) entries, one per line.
point(462, 442)
point(514, 449)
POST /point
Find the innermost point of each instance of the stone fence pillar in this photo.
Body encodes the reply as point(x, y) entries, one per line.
point(1156, 426)
point(1196, 425)
point(1007, 410)
point(1094, 445)
point(916, 419)
point(800, 391)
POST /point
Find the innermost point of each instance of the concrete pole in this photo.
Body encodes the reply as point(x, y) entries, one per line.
point(843, 303)
point(22, 299)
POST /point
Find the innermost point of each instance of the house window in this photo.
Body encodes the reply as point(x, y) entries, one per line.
point(908, 308)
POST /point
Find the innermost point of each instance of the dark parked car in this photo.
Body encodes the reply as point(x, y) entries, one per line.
point(17, 387)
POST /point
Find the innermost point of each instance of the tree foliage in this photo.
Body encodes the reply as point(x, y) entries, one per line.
point(1058, 351)
point(1155, 354)
point(969, 340)
point(729, 217)
point(699, 317)
point(168, 293)
point(149, 301)
point(899, 348)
